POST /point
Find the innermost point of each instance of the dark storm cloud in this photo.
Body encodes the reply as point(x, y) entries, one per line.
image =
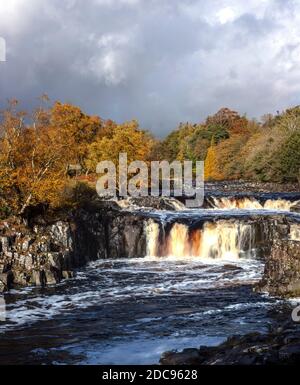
point(160, 61)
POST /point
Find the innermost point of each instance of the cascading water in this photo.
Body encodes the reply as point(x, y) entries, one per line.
point(226, 240)
point(178, 241)
point(152, 236)
point(222, 239)
point(251, 204)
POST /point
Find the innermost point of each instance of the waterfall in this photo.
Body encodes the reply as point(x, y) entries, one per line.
point(252, 204)
point(279, 204)
point(223, 239)
point(177, 241)
point(226, 240)
point(152, 238)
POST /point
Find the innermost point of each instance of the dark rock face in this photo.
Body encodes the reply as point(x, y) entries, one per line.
point(108, 234)
point(282, 269)
point(37, 256)
point(281, 346)
point(47, 253)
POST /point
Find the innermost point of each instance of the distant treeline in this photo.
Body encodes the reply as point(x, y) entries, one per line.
point(235, 147)
point(49, 155)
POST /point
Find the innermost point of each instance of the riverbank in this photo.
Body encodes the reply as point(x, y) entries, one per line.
point(278, 347)
point(240, 186)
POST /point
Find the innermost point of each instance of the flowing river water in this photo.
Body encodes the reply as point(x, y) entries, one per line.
point(194, 288)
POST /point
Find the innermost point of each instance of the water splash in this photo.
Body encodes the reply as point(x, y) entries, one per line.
point(251, 204)
point(226, 240)
point(152, 237)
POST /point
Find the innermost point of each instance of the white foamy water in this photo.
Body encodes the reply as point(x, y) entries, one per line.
point(117, 280)
point(129, 311)
point(227, 203)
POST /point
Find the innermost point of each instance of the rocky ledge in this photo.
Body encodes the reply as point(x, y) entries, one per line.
point(279, 346)
point(34, 256)
point(282, 269)
point(43, 248)
point(250, 186)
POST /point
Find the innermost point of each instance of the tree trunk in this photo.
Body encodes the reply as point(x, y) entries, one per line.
point(25, 205)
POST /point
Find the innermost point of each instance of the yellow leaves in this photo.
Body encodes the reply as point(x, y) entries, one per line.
point(127, 138)
point(75, 128)
point(211, 171)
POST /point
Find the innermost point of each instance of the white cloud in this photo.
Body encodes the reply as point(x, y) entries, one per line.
point(226, 15)
point(108, 68)
point(110, 40)
point(116, 3)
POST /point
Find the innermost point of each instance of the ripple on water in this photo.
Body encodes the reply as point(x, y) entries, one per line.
point(130, 311)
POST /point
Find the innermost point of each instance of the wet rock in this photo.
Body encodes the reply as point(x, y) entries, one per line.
point(53, 276)
point(3, 288)
point(282, 269)
point(251, 349)
point(6, 280)
point(290, 353)
point(158, 203)
point(5, 242)
point(232, 267)
point(50, 249)
point(38, 278)
point(66, 274)
point(186, 357)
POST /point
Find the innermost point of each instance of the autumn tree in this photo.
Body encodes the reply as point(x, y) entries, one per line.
point(32, 159)
point(211, 171)
point(75, 128)
point(126, 137)
point(36, 150)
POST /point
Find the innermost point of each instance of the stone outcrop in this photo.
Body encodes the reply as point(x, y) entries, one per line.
point(282, 269)
point(34, 256)
point(48, 249)
point(151, 202)
point(279, 346)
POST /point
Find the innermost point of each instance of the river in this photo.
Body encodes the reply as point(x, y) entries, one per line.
point(190, 291)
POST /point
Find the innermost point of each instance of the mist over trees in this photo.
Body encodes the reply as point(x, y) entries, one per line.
point(40, 150)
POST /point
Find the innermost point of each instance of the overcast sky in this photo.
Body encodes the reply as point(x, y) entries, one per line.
point(159, 61)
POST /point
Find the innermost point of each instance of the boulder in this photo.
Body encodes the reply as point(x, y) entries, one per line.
point(282, 269)
point(6, 280)
point(186, 357)
point(274, 347)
